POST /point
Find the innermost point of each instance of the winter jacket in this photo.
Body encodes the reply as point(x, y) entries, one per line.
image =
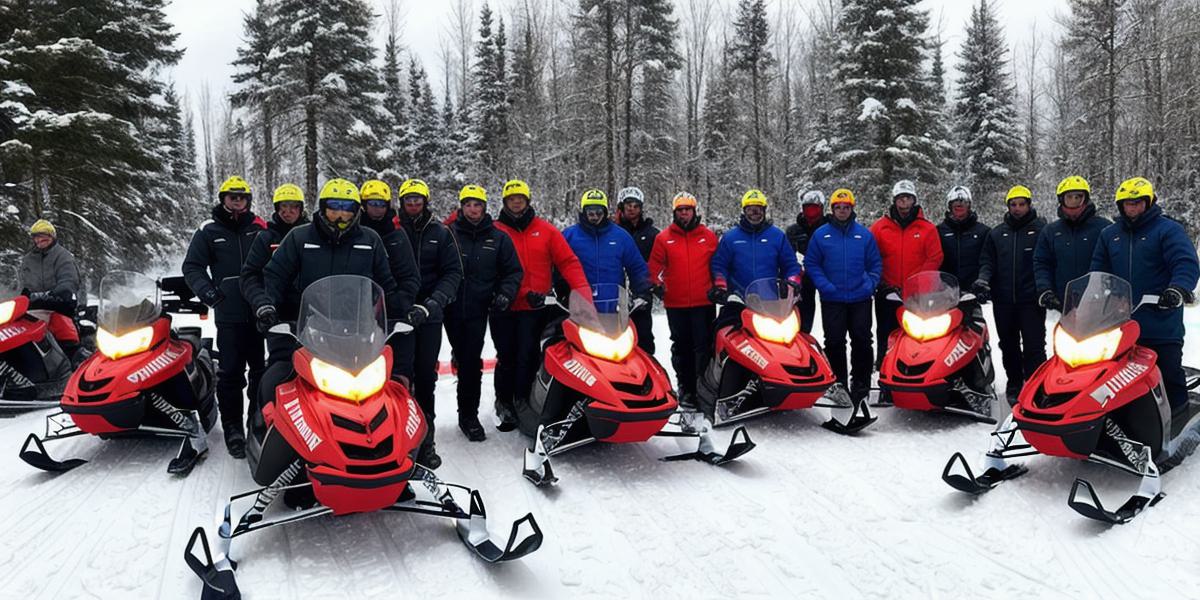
point(1151, 253)
point(437, 259)
point(49, 270)
point(679, 262)
point(490, 267)
point(311, 252)
point(261, 250)
point(843, 261)
point(962, 247)
point(608, 254)
point(800, 233)
point(540, 247)
point(908, 245)
point(748, 253)
point(643, 234)
point(400, 257)
point(1007, 263)
point(1064, 250)
point(215, 257)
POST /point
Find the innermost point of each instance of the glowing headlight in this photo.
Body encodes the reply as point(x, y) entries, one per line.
point(1076, 353)
point(925, 329)
point(117, 346)
point(601, 346)
point(782, 332)
point(6, 311)
point(340, 383)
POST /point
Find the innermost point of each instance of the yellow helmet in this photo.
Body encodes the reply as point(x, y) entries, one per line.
point(516, 187)
point(472, 192)
point(288, 192)
point(841, 196)
point(43, 227)
point(1018, 191)
point(374, 189)
point(414, 186)
point(754, 198)
point(234, 185)
point(340, 189)
point(1074, 183)
point(594, 197)
point(1138, 187)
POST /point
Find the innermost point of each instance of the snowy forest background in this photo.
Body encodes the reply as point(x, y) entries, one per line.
point(711, 97)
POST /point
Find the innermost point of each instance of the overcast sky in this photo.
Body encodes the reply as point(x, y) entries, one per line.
point(211, 30)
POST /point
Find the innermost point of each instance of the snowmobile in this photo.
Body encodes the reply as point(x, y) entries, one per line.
point(596, 384)
point(766, 363)
point(1099, 398)
point(147, 378)
point(342, 438)
point(939, 359)
point(33, 368)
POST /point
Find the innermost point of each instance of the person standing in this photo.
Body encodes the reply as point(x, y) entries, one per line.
point(491, 275)
point(379, 216)
point(753, 250)
point(1065, 247)
point(641, 228)
point(50, 278)
point(962, 237)
point(211, 268)
point(811, 217)
point(608, 254)
point(844, 263)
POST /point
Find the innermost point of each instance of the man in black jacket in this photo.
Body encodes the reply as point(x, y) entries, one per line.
point(380, 217)
point(641, 228)
point(288, 202)
point(1006, 278)
point(812, 216)
point(1064, 247)
point(441, 271)
point(491, 275)
point(962, 237)
point(211, 268)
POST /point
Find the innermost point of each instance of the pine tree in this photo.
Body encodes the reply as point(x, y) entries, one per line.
point(750, 55)
point(399, 162)
point(656, 144)
point(257, 70)
point(722, 177)
point(425, 125)
point(487, 112)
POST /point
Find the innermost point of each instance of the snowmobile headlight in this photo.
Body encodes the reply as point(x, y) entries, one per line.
point(601, 346)
point(118, 346)
point(6, 311)
point(782, 332)
point(925, 329)
point(343, 384)
point(1077, 353)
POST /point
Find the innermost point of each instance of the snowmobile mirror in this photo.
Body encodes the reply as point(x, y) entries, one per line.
point(400, 328)
point(894, 297)
point(967, 297)
point(281, 329)
point(1148, 299)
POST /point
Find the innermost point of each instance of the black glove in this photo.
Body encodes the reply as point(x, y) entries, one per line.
point(718, 295)
point(212, 296)
point(500, 303)
point(417, 315)
point(265, 318)
point(658, 292)
point(642, 302)
point(982, 291)
point(434, 308)
point(800, 241)
point(1049, 301)
point(535, 299)
point(38, 296)
point(1174, 297)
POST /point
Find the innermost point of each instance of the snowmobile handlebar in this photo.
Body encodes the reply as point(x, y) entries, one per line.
point(285, 328)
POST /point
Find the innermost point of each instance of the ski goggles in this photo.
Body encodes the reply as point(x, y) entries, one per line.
point(343, 205)
point(594, 211)
point(377, 203)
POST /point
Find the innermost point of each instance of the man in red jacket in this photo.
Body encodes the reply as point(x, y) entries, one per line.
point(516, 332)
point(679, 271)
point(908, 244)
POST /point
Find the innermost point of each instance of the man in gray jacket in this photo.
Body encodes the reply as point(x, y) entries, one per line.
point(50, 278)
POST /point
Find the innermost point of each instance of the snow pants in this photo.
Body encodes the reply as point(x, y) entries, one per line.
point(643, 323)
point(466, 339)
point(853, 318)
point(1021, 331)
point(691, 344)
point(423, 346)
point(239, 346)
point(808, 304)
point(1170, 364)
point(517, 336)
point(885, 324)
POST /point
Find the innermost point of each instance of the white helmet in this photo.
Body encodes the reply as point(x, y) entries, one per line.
point(631, 193)
point(904, 186)
point(812, 197)
point(957, 193)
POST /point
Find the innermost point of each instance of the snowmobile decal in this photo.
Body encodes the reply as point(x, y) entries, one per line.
point(154, 366)
point(10, 332)
point(752, 354)
point(413, 423)
point(960, 350)
point(1109, 389)
point(577, 369)
point(311, 439)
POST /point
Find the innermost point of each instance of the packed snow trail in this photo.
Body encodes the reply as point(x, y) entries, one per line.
point(807, 513)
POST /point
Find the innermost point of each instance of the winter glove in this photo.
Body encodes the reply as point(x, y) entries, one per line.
point(500, 303)
point(1049, 301)
point(38, 296)
point(434, 308)
point(535, 299)
point(212, 297)
point(641, 302)
point(795, 282)
point(982, 291)
point(800, 242)
point(718, 294)
point(265, 318)
point(1174, 297)
point(417, 315)
point(658, 292)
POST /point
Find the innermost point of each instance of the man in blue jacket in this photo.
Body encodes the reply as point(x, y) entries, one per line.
point(1153, 253)
point(1064, 247)
point(753, 250)
point(606, 251)
point(844, 264)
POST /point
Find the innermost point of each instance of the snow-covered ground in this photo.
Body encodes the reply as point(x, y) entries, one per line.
point(809, 513)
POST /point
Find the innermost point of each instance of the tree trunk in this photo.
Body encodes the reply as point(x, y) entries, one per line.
point(610, 96)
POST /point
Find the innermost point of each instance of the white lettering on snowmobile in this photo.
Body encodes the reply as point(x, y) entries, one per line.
point(753, 355)
point(9, 373)
point(413, 422)
point(306, 433)
point(1116, 383)
point(959, 351)
point(577, 369)
point(10, 332)
point(154, 366)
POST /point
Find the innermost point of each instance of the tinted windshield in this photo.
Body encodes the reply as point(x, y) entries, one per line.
point(930, 293)
point(342, 321)
point(1095, 303)
point(770, 297)
point(128, 301)
point(606, 311)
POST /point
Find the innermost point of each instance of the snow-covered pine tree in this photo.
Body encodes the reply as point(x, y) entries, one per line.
point(487, 104)
point(526, 105)
point(985, 116)
point(657, 144)
point(184, 182)
point(751, 56)
point(722, 175)
point(399, 161)
point(425, 124)
point(256, 77)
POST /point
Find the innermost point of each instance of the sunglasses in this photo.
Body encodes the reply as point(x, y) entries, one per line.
point(236, 197)
point(343, 205)
point(377, 203)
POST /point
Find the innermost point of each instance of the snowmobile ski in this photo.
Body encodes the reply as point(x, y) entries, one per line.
point(739, 444)
point(969, 483)
point(37, 456)
point(847, 415)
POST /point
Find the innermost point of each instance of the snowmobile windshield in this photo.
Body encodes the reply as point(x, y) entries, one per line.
point(1095, 303)
point(930, 293)
point(606, 311)
point(770, 297)
point(10, 286)
point(342, 321)
point(128, 301)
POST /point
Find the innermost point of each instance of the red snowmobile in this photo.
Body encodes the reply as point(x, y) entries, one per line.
point(146, 378)
point(596, 384)
point(346, 436)
point(33, 368)
point(1099, 398)
point(939, 359)
point(766, 363)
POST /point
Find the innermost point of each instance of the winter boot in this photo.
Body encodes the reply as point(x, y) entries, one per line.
point(427, 455)
point(470, 426)
point(508, 418)
point(235, 437)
